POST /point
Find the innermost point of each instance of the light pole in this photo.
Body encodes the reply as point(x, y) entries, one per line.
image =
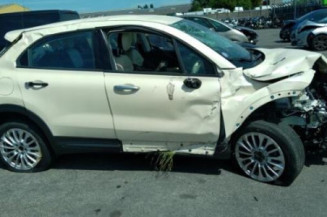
point(294, 4)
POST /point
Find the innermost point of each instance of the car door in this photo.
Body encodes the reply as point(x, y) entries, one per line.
point(163, 94)
point(61, 80)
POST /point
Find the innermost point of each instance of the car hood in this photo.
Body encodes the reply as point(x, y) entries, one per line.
point(281, 63)
point(310, 23)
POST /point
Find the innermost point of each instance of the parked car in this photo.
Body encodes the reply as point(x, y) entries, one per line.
point(291, 25)
point(237, 34)
point(311, 34)
point(157, 83)
point(26, 19)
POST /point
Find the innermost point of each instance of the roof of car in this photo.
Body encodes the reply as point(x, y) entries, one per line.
point(166, 20)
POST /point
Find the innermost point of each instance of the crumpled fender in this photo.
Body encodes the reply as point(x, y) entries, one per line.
point(281, 63)
point(241, 96)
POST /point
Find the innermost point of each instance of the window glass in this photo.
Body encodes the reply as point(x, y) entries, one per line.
point(143, 51)
point(67, 51)
point(218, 26)
point(194, 63)
point(200, 21)
point(226, 48)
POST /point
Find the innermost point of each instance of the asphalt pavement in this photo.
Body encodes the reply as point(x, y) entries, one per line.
point(118, 185)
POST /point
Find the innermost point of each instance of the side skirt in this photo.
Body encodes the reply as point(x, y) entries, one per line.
point(66, 145)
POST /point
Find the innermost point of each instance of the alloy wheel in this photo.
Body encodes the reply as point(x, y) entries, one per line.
point(320, 42)
point(20, 149)
point(260, 157)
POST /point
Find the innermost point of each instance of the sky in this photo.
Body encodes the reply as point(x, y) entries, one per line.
point(83, 6)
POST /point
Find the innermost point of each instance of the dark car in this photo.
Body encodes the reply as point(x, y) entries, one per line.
point(26, 19)
point(290, 25)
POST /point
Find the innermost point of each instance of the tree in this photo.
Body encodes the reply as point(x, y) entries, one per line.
point(198, 5)
point(246, 4)
point(145, 6)
point(229, 4)
point(151, 6)
point(256, 3)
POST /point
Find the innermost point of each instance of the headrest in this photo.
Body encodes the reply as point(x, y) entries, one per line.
point(127, 40)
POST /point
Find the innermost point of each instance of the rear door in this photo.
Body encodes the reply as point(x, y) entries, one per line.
point(168, 99)
point(61, 79)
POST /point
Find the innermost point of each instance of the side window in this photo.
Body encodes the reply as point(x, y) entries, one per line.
point(219, 27)
point(161, 42)
point(194, 63)
point(65, 51)
point(200, 21)
point(143, 51)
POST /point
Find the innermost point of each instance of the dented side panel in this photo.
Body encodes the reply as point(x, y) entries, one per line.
point(163, 114)
point(241, 96)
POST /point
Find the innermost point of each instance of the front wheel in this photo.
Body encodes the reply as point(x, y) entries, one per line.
point(268, 152)
point(318, 42)
point(23, 148)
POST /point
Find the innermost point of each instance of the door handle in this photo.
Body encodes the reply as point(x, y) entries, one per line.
point(193, 83)
point(36, 84)
point(126, 88)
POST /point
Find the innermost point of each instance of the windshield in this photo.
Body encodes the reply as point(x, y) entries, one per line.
point(228, 49)
point(314, 15)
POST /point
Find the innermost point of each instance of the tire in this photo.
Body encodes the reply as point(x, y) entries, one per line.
point(318, 42)
point(268, 152)
point(23, 148)
point(285, 34)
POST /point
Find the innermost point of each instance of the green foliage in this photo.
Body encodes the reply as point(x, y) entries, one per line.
point(198, 5)
point(246, 4)
point(256, 3)
point(163, 160)
point(229, 4)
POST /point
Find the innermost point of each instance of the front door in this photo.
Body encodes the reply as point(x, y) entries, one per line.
point(163, 94)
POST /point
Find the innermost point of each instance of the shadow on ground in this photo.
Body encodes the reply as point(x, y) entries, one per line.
point(316, 158)
point(281, 42)
point(142, 162)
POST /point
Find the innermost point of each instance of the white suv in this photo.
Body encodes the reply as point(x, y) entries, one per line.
point(157, 83)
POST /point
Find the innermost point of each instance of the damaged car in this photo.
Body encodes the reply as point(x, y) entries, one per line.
point(153, 84)
point(312, 35)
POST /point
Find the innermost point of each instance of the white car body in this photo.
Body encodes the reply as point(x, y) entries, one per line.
point(157, 112)
point(79, 120)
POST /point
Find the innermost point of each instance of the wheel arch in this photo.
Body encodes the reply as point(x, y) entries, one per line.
point(14, 112)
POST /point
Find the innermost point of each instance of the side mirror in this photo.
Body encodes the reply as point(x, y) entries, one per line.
point(220, 73)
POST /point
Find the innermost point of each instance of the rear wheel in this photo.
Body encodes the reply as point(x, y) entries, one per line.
point(22, 148)
point(268, 152)
point(318, 42)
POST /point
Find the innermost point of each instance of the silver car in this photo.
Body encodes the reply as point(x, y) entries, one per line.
point(233, 34)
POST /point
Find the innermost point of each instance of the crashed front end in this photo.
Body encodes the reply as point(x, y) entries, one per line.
point(290, 86)
point(307, 113)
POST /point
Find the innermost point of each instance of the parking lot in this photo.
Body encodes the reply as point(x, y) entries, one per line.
point(126, 185)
